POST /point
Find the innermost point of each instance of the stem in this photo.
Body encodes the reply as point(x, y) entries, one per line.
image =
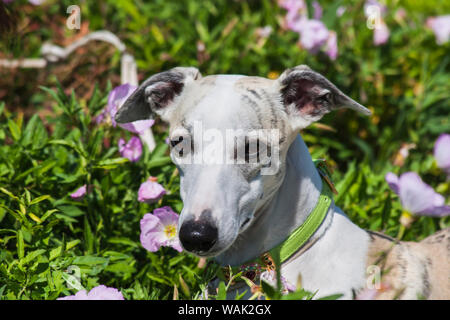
point(401, 232)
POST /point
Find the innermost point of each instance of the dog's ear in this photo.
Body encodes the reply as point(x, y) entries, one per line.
point(158, 94)
point(307, 96)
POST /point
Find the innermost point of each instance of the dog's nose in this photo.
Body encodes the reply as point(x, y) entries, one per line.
point(198, 236)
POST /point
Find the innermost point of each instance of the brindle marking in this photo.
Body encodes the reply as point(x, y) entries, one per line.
point(412, 270)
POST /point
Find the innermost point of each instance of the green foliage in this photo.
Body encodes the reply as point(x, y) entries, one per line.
point(45, 233)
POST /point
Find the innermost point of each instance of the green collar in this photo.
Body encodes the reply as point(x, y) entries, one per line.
point(270, 260)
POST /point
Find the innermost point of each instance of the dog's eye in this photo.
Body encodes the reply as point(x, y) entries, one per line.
point(254, 149)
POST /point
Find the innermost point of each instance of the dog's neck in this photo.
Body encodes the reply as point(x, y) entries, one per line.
point(279, 212)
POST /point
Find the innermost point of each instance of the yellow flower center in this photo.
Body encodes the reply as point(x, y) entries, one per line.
point(170, 231)
point(406, 214)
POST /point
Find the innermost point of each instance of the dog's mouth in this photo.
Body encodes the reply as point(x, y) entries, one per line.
point(214, 251)
point(245, 224)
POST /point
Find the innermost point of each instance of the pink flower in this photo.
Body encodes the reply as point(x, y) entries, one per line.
point(375, 11)
point(150, 191)
point(441, 28)
point(132, 150)
point(270, 277)
point(367, 294)
point(79, 193)
point(340, 11)
point(382, 9)
point(160, 229)
point(296, 13)
point(317, 10)
point(98, 293)
point(313, 35)
point(442, 153)
point(264, 32)
point(115, 100)
point(292, 5)
point(381, 33)
point(372, 293)
point(416, 196)
point(137, 127)
point(332, 48)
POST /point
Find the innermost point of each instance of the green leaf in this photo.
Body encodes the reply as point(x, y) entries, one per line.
point(9, 194)
point(331, 297)
point(158, 278)
point(31, 256)
point(58, 251)
point(14, 129)
point(386, 213)
point(111, 163)
point(301, 294)
point(39, 199)
point(34, 133)
point(20, 244)
point(268, 290)
point(78, 148)
point(48, 214)
point(71, 211)
point(90, 260)
point(222, 292)
point(124, 241)
point(88, 237)
point(159, 162)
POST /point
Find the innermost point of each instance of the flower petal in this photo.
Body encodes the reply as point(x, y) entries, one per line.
point(166, 215)
point(150, 191)
point(381, 34)
point(116, 98)
point(392, 180)
point(132, 150)
point(104, 293)
point(175, 243)
point(137, 127)
point(152, 233)
point(416, 196)
point(317, 10)
point(442, 152)
point(439, 211)
point(80, 295)
point(313, 35)
point(79, 193)
point(332, 48)
point(441, 28)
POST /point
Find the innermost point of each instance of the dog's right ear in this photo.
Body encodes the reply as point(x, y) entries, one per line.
point(307, 96)
point(158, 94)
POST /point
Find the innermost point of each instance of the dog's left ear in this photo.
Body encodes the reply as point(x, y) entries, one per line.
point(158, 95)
point(307, 96)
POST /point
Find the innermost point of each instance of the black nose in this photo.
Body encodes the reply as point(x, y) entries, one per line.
point(198, 236)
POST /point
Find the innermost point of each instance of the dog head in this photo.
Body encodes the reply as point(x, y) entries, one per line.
point(230, 135)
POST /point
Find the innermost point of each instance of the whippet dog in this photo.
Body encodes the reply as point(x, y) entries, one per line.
point(235, 213)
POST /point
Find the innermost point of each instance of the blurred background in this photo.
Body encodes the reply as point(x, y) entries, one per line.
point(391, 56)
point(404, 79)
